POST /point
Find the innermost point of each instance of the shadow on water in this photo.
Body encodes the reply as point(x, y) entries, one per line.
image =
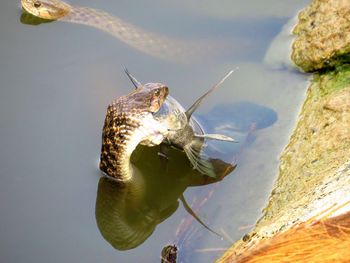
point(29, 19)
point(238, 117)
point(128, 213)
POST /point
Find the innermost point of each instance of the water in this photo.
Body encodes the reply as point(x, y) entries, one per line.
point(56, 82)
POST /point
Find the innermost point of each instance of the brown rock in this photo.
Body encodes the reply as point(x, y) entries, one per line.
point(340, 102)
point(323, 34)
point(314, 171)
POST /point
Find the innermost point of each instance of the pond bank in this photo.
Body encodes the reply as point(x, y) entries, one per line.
point(314, 171)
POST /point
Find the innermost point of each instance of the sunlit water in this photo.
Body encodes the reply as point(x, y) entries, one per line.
point(56, 82)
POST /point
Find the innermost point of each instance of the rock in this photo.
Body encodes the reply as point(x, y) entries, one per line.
point(314, 174)
point(323, 35)
point(314, 241)
point(340, 102)
point(314, 169)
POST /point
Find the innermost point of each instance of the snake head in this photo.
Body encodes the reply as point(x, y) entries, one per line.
point(46, 9)
point(158, 93)
point(149, 96)
point(155, 93)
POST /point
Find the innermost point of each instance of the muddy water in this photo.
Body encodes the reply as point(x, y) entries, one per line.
point(56, 81)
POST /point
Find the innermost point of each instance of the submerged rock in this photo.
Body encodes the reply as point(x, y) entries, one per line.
point(323, 34)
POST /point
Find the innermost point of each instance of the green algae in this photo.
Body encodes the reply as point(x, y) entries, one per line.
point(335, 80)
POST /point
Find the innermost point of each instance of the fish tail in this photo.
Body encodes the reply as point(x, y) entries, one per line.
point(198, 160)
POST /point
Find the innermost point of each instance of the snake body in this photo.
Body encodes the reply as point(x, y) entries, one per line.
point(150, 43)
point(129, 121)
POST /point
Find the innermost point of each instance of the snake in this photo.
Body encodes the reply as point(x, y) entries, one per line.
point(150, 116)
point(129, 121)
point(150, 43)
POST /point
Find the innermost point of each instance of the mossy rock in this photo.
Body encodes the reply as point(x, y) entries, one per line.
point(314, 170)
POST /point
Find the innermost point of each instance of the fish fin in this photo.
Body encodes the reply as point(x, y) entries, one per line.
point(134, 81)
point(164, 155)
point(198, 161)
point(193, 214)
point(219, 137)
point(196, 104)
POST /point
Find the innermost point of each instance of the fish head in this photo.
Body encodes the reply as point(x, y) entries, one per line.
point(171, 114)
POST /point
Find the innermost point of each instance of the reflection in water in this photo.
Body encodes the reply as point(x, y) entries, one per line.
point(128, 213)
point(29, 19)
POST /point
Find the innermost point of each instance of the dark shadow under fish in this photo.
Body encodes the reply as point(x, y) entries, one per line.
point(127, 213)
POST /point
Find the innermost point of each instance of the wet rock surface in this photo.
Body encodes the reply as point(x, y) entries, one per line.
point(323, 34)
point(318, 147)
point(314, 171)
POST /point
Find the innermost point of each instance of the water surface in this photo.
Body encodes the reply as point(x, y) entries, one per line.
point(56, 82)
